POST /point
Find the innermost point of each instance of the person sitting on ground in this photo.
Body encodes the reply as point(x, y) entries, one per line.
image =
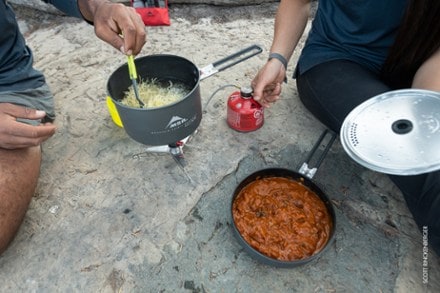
point(353, 52)
point(26, 103)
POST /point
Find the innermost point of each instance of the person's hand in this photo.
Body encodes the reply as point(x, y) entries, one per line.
point(120, 26)
point(267, 83)
point(15, 134)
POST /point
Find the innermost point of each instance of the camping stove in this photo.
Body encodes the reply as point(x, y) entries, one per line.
point(174, 149)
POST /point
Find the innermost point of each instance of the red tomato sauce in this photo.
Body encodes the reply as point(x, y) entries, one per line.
point(282, 218)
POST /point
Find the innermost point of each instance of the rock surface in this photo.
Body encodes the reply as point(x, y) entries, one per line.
point(110, 217)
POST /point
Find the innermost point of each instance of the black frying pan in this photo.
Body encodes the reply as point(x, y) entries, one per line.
point(304, 175)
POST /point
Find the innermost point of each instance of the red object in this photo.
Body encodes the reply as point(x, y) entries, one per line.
point(152, 12)
point(244, 114)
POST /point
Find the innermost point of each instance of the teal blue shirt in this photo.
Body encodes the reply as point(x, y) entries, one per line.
point(16, 71)
point(357, 30)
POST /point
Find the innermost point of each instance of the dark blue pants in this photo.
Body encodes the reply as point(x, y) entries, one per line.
point(330, 91)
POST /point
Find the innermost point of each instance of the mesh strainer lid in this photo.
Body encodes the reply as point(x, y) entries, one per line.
point(397, 132)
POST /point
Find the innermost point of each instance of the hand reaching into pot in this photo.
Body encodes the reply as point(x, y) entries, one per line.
point(115, 23)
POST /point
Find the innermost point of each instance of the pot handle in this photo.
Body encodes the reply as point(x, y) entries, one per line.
point(310, 172)
point(229, 61)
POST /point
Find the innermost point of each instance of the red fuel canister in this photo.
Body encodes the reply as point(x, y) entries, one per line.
point(244, 114)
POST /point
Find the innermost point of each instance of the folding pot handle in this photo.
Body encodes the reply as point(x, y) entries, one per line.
point(310, 172)
point(229, 61)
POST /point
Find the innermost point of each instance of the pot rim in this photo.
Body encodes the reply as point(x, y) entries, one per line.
point(141, 59)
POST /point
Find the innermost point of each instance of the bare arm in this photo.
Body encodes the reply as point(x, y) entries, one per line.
point(428, 75)
point(290, 23)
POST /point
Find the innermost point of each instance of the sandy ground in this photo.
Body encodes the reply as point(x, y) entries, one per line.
point(109, 217)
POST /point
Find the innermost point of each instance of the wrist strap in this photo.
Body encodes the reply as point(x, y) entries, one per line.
point(280, 58)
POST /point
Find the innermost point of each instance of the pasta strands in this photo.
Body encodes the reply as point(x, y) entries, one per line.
point(155, 94)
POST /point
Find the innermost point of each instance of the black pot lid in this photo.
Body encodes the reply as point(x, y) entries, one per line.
point(397, 132)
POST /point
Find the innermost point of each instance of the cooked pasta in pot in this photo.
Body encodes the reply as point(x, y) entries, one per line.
point(155, 94)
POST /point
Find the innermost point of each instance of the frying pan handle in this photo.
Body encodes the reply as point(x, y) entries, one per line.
point(229, 61)
point(310, 172)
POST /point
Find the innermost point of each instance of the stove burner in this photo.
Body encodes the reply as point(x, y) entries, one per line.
point(175, 149)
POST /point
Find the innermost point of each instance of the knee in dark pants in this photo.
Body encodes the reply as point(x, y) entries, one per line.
point(332, 89)
point(422, 195)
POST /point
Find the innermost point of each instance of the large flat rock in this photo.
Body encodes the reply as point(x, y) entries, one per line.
point(110, 217)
